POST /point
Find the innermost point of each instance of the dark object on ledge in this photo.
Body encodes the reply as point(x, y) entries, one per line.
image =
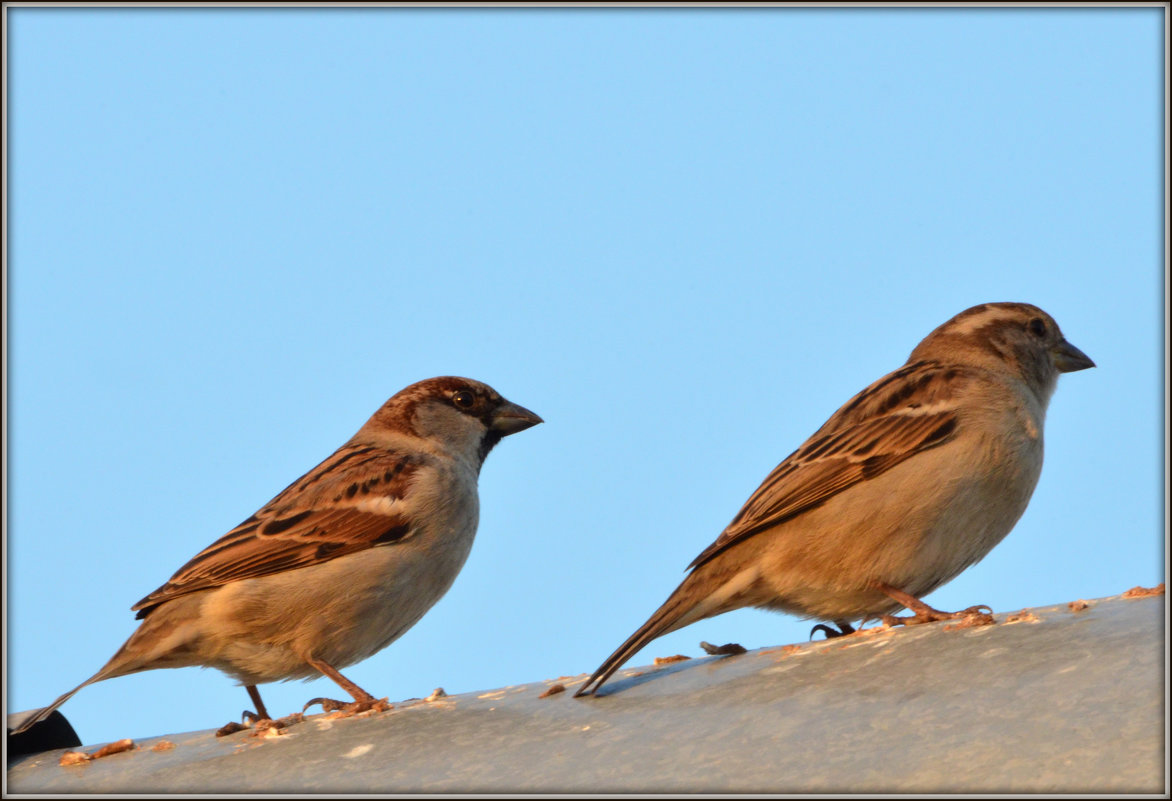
point(51, 733)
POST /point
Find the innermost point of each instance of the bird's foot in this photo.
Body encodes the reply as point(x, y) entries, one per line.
point(843, 629)
point(363, 701)
point(979, 615)
point(350, 708)
point(252, 717)
point(248, 720)
point(267, 727)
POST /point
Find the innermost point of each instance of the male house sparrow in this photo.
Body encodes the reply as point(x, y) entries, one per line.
point(339, 564)
point(913, 480)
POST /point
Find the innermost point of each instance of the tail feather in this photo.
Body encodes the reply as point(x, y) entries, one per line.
point(667, 618)
point(152, 645)
point(43, 713)
point(646, 633)
point(710, 589)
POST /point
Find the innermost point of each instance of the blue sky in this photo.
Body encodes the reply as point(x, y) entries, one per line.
point(683, 237)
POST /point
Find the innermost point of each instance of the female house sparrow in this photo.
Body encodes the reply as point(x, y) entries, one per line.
point(913, 480)
point(339, 564)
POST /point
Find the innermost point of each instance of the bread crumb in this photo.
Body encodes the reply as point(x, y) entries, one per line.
point(114, 748)
point(553, 689)
point(667, 660)
point(1144, 592)
point(81, 758)
point(74, 758)
point(1024, 616)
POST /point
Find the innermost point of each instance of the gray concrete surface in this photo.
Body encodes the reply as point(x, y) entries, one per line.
point(1061, 701)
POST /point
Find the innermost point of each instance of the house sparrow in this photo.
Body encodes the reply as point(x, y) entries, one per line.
point(339, 564)
point(913, 480)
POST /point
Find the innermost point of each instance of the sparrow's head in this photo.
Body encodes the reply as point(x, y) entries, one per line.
point(460, 415)
point(1016, 337)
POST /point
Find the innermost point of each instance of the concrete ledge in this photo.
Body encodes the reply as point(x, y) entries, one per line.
point(1048, 700)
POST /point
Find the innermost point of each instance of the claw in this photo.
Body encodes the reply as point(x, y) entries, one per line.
point(843, 629)
point(327, 704)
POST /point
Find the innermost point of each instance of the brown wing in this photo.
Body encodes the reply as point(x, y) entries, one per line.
point(887, 423)
point(348, 503)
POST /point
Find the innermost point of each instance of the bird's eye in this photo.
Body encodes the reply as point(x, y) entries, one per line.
point(1037, 327)
point(464, 399)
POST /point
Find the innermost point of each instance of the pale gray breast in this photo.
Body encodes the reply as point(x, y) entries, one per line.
point(985, 480)
point(407, 578)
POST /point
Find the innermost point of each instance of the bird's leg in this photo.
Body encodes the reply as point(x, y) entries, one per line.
point(261, 713)
point(844, 628)
point(362, 699)
point(924, 613)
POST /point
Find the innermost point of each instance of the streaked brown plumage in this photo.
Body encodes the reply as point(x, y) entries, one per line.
point(340, 563)
point(914, 479)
